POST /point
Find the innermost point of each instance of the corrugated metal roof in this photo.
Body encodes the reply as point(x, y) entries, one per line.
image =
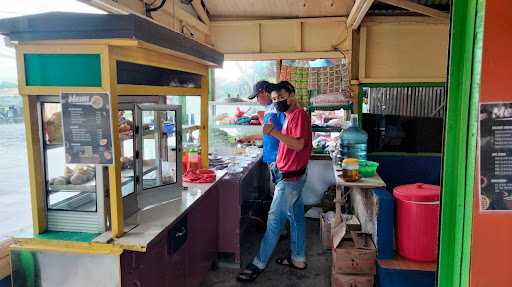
point(382, 9)
point(432, 2)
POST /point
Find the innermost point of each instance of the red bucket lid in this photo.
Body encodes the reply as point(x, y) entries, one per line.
point(418, 192)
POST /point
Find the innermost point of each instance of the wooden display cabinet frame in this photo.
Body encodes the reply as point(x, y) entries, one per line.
point(109, 51)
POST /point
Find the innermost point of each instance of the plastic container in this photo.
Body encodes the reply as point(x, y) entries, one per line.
point(417, 224)
point(184, 161)
point(193, 160)
point(168, 127)
point(368, 168)
point(350, 169)
point(354, 140)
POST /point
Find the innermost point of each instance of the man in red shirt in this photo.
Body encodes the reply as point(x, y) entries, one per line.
point(295, 148)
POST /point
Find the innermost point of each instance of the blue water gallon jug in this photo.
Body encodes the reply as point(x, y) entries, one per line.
point(354, 140)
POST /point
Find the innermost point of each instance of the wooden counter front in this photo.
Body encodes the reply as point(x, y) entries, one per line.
point(142, 228)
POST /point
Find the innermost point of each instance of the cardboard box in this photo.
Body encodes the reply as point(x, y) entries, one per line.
point(356, 255)
point(325, 232)
point(346, 280)
point(352, 224)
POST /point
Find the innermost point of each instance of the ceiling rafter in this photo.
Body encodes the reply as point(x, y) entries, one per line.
point(358, 12)
point(201, 11)
point(137, 7)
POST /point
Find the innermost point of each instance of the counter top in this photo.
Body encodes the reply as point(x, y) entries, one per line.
point(245, 171)
point(147, 224)
point(364, 183)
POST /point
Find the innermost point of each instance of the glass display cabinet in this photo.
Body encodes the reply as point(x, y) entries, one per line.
point(233, 123)
point(139, 72)
point(150, 157)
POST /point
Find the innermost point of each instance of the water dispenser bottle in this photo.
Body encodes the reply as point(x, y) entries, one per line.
point(354, 140)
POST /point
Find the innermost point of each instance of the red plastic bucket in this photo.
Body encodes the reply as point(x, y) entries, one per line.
point(417, 224)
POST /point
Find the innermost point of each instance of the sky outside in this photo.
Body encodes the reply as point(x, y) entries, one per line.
point(13, 8)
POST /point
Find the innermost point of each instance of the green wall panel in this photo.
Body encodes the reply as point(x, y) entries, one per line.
point(65, 70)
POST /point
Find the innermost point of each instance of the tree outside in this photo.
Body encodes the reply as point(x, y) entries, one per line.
point(236, 78)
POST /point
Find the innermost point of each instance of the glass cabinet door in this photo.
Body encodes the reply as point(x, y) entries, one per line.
point(74, 192)
point(69, 187)
point(126, 116)
point(159, 139)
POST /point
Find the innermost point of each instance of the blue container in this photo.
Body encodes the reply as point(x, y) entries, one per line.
point(168, 127)
point(354, 141)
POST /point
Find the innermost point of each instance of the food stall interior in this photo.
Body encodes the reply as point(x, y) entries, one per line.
point(188, 185)
point(403, 124)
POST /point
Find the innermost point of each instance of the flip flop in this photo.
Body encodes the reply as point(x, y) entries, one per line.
point(287, 261)
point(250, 273)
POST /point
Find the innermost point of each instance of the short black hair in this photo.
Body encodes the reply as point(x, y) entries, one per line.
point(270, 87)
point(287, 86)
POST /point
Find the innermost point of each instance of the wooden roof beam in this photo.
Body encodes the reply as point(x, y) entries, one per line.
point(415, 7)
point(358, 12)
point(201, 11)
point(137, 7)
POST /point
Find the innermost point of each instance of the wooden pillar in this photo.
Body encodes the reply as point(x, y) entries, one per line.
point(203, 131)
point(109, 78)
point(35, 171)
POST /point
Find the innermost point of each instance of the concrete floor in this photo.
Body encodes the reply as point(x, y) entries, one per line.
point(316, 275)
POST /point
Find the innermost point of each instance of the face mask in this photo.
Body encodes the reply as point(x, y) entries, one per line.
point(282, 106)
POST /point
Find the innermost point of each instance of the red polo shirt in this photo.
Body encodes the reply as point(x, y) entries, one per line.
point(297, 125)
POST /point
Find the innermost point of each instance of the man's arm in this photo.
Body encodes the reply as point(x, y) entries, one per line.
point(296, 144)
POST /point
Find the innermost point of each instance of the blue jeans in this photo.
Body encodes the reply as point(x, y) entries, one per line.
point(286, 204)
point(275, 173)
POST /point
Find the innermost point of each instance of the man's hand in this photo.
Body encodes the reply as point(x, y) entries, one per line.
point(293, 143)
point(267, 128)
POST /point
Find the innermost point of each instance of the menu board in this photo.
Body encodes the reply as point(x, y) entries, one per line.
point(496, 156)
point(86, 122)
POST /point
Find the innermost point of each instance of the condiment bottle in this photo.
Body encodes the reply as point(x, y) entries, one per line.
point(350, 169)
point(184, 162)
point(193, 159)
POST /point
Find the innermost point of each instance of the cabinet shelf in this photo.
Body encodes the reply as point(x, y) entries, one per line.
point(89, 186)
point(53, 146)
point(326, 129)
point(125, 137)
point(320, 156)
point(129, 136)
point(187, 128)
point(217, 103)
point(128, 173)
point(330, 107)
point(235, 126)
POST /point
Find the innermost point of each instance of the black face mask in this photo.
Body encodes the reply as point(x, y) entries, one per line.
point(282, 106)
